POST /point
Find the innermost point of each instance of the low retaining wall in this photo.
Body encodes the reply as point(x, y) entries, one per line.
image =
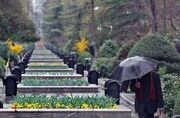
point(122, 112)
point(47, 61)
point(76, 76)
point(58, 89)
point(49, 70)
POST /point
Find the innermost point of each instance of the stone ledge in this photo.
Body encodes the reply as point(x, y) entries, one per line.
point(75, 76)
point(49, 70)
point(122, 112)
point(58, 89)
point(49, 61)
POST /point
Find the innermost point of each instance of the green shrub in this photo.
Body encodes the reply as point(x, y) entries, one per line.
point(108, 49)
point(104, 65)
point(14, 58)
point(177, 105)
point(171, 67)
point(124, 50)
point(155, 46)
point(5, 53)
point(170, 87)
point(2, 67)
point(82, 56)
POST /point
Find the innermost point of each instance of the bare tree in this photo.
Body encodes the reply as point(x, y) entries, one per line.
point(154, 16)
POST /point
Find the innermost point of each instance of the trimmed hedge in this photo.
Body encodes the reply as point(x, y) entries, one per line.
point(104, 66)
point(82, 56)
point(155, 46)
point(108, 49)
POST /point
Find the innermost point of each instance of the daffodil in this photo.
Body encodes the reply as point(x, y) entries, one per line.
point(82, 45)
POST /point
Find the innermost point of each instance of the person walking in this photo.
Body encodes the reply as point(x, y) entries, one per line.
point(148, 94)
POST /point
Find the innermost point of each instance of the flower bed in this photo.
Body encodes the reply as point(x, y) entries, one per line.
point(49, 73)
point(48, 67)
point(44, 56)
point(46, 64)
point(66, 102)
point(47, 61)
point(54, 82)
point(74, 76)
point(56, 86)
point(44, 59)
point(49, 70)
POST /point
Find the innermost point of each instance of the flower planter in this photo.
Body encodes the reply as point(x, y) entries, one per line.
point(122, 112)
point(44, 56)
point(49, 70)
point(39, 53)
point(50, 73)
point(49, 58)
point(47, 61)
point(74, 76)
point(47, 67)
point(46, 64)
point(58, 89)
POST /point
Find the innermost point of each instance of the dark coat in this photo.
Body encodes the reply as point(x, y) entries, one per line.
point(146, 104)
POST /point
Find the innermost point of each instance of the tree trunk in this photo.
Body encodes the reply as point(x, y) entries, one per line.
point(164, 16)
point(154, 16)
point(92, 28)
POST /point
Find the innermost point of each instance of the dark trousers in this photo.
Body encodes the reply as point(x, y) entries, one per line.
point(145, 114)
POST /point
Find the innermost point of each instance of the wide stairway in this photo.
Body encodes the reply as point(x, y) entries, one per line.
point(47, 75)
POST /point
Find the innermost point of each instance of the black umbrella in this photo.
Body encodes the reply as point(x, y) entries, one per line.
point(133, 68)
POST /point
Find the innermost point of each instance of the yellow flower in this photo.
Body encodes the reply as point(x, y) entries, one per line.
point(96, 107)
point(16, 48)
point(58, 105)
point(114, 107)
point(82, 45)
point(84, 106)
point(16, 106)
point(13, 47)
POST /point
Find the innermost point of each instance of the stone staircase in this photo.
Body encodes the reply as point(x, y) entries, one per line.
point(45, 65)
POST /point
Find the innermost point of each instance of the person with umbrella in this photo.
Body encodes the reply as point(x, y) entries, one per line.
point(148, 94)
point(145, 82)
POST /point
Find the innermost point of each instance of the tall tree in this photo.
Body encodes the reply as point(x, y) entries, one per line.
point(154, 16)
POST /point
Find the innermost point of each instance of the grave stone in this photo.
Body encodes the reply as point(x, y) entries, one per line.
point(87, 64)
point(65, 59)
point(25, 60)
point(80, 69)
point(71, 63)
point(93, 77)
point(17, 71)
point(112, 89)
point(22, 66)
point(11, 85)
point(1, 105)
point(61, 56)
